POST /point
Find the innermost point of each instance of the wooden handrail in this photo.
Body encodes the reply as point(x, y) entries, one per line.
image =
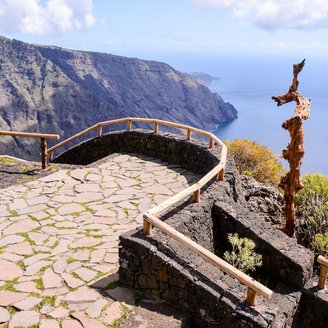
point(80, 134)
point(189, 129)
point(29, 135)
point(195, 188)
point(323, 271)
point(253, 286)
point(43, 142)
point(157, 210)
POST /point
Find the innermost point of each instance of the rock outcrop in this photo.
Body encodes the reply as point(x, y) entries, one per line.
point(55, 90)
point(264, 200)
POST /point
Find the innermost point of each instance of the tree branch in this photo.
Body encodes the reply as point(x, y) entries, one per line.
point(291, 182)
point(292, 94)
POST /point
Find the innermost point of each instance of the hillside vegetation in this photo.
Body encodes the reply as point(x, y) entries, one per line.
point(257, 161)
point(311, 202)
point(312, 206)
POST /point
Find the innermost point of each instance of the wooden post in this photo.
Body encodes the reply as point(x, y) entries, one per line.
point(129, 125)
point(50, 155)
point(221, 175)
point(211, 145)
point(251, 296)
point(188, 137)
point(322, 277)
point(44, 154)
point(99, 131)
point(155, 127)
point(146, 228)
point(196, 196)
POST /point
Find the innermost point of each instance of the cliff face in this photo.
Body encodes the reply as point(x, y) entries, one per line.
point(54, 90)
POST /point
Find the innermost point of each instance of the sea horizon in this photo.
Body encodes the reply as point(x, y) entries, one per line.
point(249, 81)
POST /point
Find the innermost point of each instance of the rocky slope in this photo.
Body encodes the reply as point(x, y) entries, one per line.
point(55, 90)
point(264, 200)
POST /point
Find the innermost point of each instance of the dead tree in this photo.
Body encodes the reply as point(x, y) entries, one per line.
point(291, 183)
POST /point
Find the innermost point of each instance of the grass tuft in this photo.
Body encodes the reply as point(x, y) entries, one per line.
point(27, 238)
point(112, 285)
point(7, 160)
point(13, 213)
point(10, 285)
point(39, 283)
point(51, 300)
point(138, 295)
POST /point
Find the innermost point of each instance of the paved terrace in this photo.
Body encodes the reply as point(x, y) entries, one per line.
point(59, 240)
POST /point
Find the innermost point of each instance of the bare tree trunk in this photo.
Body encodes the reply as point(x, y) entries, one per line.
point(291, 182)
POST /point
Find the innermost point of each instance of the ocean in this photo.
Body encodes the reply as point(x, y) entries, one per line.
point(249, 81)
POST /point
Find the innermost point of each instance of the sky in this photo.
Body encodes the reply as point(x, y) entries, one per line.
point(133, 27)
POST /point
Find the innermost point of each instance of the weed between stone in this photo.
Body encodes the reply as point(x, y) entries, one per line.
point(10, 285)
point(39, 283)
point(138, 295)
point(112, 285)
point(27, 238)
point(124, 315)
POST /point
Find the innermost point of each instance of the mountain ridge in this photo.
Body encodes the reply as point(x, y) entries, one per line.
point(55, 90)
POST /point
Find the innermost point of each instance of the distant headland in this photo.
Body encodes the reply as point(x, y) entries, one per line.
point(203, 78)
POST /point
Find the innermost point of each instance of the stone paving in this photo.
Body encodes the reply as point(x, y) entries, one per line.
point(59, 240)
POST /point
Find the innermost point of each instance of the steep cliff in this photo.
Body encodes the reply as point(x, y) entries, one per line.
point(55, 90)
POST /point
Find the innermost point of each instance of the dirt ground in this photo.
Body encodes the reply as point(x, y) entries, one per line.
point(15, 171)
point(152, 313)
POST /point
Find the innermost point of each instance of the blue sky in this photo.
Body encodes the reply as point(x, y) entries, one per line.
point(132, 27)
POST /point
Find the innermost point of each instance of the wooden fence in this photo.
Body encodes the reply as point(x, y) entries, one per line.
point(150, 217)
point(43, 142)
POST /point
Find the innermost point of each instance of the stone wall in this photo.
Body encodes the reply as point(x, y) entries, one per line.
point(284, 259)
point(162, 267)
point(313, 310)
point(212, 298)
point(167, 147)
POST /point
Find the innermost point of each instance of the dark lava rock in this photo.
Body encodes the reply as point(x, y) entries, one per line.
point(264, 200)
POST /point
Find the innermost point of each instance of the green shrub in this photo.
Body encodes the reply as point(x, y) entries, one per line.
point(319, 244)
point(312, 207)
point(7, 160)
point(242, 256)
point(257, 161)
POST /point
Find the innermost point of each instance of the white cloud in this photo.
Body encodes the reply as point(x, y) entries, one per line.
point(312, 45)
point(274, 14)
point(43, 17)
point(90, 20)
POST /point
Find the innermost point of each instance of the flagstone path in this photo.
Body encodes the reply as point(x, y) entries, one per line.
point(59, 240)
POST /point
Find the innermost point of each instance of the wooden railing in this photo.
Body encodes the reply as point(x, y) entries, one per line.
point(323, 271)
point(129, 120)
point(253, 287)
point(150, 219)
point(43, 142)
